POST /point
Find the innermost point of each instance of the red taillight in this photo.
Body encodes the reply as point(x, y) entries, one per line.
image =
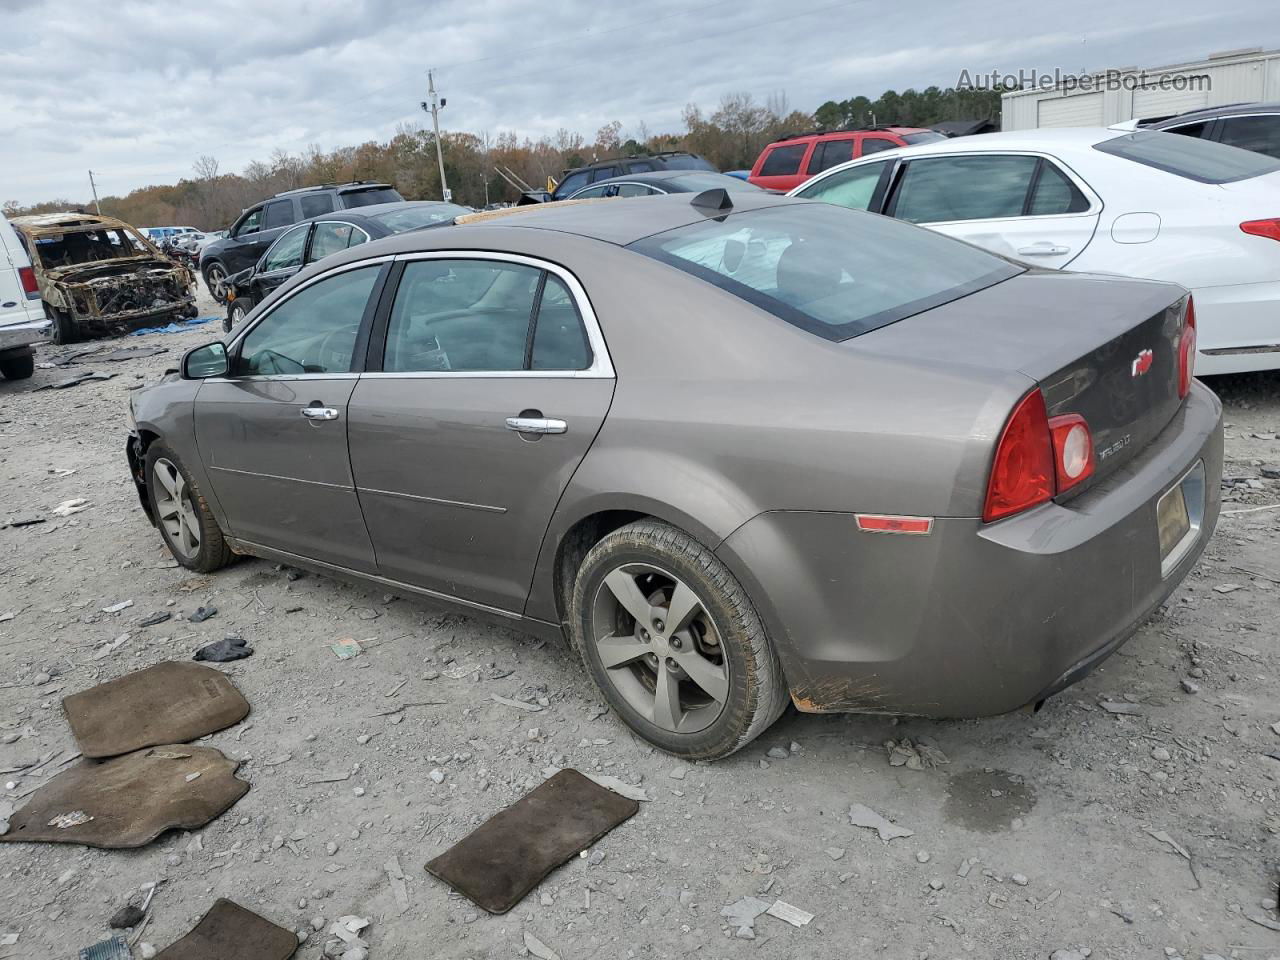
point(29, 286)
point(1262, 228)
point(1073, 459)
point(1187, 349)
point(1023, 472)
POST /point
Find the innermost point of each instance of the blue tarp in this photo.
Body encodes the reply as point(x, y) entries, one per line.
point(173, 327)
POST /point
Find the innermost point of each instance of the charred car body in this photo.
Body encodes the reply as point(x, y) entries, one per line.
point(98, 275)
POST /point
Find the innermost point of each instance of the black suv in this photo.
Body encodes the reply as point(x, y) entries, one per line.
point(571, 181)
point(1250, 126)
point(258, 226)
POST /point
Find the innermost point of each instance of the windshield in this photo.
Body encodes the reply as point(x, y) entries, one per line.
point(834, 272)
point(1202, 160)
point(369, 196)
point(411, 218)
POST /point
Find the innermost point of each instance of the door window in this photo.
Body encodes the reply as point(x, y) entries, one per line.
point(597, 190)
point(783, 161)
point(314, 331)
point(278, 214)
point(475, 315)
point(635, 190)
point(572, 182)
point(939, 189)
point(316, 204)
point(603, 173)
point(250, 224)
point(828, 153)
point(1190, 129)
point(872, 145)
point(287, 251)
point(1259, 134)
point(852, 188)
point(332, 236)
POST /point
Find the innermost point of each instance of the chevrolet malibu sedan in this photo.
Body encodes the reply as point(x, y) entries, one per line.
point(740, 450)
point(1142, 204)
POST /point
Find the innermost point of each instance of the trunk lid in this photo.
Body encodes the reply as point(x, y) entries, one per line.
point(1103, 347)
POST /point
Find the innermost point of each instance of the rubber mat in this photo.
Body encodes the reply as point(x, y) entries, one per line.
point(171, 702)
point(509, 854)
point(129, 801)
point(230, 932)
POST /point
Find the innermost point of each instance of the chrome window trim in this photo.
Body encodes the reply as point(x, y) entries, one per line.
point(345, 223)
point(601, 367)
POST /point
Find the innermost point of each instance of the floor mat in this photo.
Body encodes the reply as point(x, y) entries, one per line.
point(229, 931)
point(509, 854)
point(171, 702)
point(129, 801)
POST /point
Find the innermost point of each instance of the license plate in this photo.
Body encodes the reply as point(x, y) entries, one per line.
point(1172, 520)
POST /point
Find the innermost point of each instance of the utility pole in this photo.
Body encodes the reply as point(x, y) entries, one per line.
point(93, 186)
point(434, 109)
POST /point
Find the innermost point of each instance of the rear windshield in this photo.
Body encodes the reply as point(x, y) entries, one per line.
point(370, 196)
point(927, 136)
point(697, 182)
point(1201, 160)
point(685, 161)
point(834, 272)
point(411, 218)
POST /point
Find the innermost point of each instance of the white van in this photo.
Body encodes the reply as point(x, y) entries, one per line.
point(22, 318)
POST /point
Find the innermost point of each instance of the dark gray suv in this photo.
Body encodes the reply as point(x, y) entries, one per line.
point(259, 225)
point(1249, 126)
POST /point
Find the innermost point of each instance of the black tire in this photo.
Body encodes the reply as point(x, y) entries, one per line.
point(236, 313)
point(65, 330)
point(215, 278)
point(17, 366)
point(213, 552)
point(757, 691)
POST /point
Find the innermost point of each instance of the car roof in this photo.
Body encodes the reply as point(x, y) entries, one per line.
point(1059, 138)
point(1212, 113)
point(612, 161)
point(656, 176)
point(44, 221)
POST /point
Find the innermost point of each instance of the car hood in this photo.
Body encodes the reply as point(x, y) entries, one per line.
point(80, 272)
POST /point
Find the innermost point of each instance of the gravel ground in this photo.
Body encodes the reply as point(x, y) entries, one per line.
point(1035, 837)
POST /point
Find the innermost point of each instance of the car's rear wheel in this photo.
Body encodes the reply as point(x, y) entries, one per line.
point(189, 529)
point(65, 329)
point(18, 365)
point(673, 642)
point(215, 278)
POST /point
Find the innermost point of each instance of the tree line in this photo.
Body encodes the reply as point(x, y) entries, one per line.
point(481, 169)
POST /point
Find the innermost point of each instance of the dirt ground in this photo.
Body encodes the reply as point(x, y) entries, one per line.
point(1034, 838)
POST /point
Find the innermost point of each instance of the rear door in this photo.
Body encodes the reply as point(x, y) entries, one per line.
point(491, 386)
point(273, 433)
point(1023, 206)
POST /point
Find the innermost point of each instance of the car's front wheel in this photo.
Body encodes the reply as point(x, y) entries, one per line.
point(215, 278)
point(189, 529)
point(673, 642)
point(65, 329)
point(238, 310)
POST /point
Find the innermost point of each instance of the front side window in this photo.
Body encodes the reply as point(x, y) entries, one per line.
point(314, 331)
point(250, 224)
point(872, 145)
point(783, 161)
point(940, 189)
point(278, 214)
point(331, 236)
point(572, 183)
point(316, 204)
point(1201, 160)
point(833, 272)
point(1259, 134)
point(287, 251)
point(852, 188)
point(476, 316)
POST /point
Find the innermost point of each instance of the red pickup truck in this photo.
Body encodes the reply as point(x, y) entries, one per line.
point(789, 162)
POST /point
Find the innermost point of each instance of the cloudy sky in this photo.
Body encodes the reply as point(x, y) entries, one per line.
point(137, 90)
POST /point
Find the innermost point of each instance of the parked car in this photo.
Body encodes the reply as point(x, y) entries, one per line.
point(259, 225)
point(571, 181)
point(317, 238)
point(788, 162)
point(1249, 126)
point(23, 323)
point(664, 181)
point(1141, 204)
point(99, 275)
point(738, 458)
point(159, 235)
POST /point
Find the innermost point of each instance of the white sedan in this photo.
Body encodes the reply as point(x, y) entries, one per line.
point(1142, 204)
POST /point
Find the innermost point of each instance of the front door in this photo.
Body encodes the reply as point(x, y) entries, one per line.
point(273, 432)
point(281, 261)
point(491, 391)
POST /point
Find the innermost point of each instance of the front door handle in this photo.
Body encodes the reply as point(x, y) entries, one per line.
point(320, 413)
point(1043, 250)
point(538, 425)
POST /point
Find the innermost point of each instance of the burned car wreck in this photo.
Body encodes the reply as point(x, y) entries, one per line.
point(98, 275)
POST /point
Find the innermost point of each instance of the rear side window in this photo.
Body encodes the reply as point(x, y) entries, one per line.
point(828, 153)
point(1259, 134)
point(604, 173)
point(783, 161)
point(316, 204)
point(330, 237)
point(1190, 129)
point(876, 144)
point(836, 273)
point(1054, 193)
point(641, 166)
point(940, 189)
point(278, 214)
point(1201, 160)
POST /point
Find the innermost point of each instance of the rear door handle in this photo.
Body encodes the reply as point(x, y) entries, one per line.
point(1043, 250)
point(320, 413)
point(537, 425)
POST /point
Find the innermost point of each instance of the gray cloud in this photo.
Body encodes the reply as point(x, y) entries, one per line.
point(137, 90)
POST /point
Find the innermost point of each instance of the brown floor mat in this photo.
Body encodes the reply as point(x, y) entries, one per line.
point(230, 931)
point(169, 703)
point(509, 854)
point(129, 801)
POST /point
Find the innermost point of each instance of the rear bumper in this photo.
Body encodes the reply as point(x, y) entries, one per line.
point(974, 619)
point(1238, 328)
point(14, 335)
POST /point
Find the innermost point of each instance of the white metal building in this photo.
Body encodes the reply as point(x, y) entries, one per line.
point(1113, 96)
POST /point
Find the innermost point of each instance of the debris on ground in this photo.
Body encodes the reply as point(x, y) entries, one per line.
point(86, 377)
point(1122, 707)
point(518, 704)
point(202, 614)
point(742, 914)
point(225, 650)
point(67, 507)
point(172, 327)
point(126, 917)
point(609, 783)
point(345, 935)
point(229, 930)
point(538, 949)
point(152, 619)
point(792, 915)
point(345, 648)
point(864, 816)
point(921, 755)
point(117, 948)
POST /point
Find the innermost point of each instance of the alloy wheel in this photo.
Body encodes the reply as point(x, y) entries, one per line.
point(216, 280)
point(175, 509)
point(660, 648)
